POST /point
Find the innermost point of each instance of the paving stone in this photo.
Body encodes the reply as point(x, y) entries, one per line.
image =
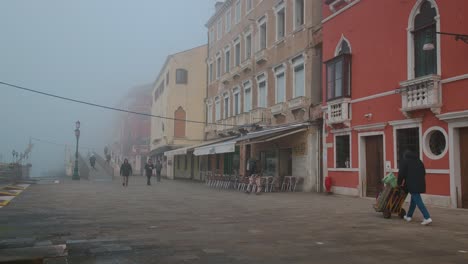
point(17, 243)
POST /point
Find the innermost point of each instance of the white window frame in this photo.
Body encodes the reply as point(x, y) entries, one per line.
point(278, 8)
point(217, 109)
point(350, 150)
point(228, 113)
point(280, 70)
point(235, 43)
point(211, 71)
point(426, 139)
point(262, 78)
point(410, 38)
point(295, 25)
point(227, 63)
point(260, 22)
point(219, 29)
point(209, 113)
point(247, 86)
point(211, 35)
point(237, 11)
point(228, 20)
point(246, 48)
point(219, 67)
point(247, 10)
point(236, 91)
point(403, 124)
point(296, 62)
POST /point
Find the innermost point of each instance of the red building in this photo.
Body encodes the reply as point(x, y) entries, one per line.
point(133, 131)
point(393, 82)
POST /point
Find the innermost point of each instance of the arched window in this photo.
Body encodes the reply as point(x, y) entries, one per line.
point(425, 44)
point(179, 123)
point(339, 72)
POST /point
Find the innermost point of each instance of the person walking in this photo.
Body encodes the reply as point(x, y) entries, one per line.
point(158, 168)
point(412, 176)
point(149, 167)
point(126, 171)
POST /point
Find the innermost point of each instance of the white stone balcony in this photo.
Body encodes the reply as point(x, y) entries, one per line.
point(261, 57)
point(278, 108)
point(246, 65)
point(299, 103)
point(260, 116)
point(338, 112)
point(421, 93)
point(211, 127)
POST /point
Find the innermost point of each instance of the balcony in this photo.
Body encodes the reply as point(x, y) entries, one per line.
point(231, 125)
point(246, 65)
point(225, 78)
point(299, 103)
point(261, 57)
point(338, 112)
point(236, 72)
point(278, 109)
point(260, 116)
point(421, 93)
point(210, 127)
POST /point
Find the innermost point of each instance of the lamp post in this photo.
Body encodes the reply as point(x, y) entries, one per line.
point(428, 46)
point(76, 174)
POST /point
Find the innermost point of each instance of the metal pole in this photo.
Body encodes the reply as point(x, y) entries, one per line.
point(76, 174)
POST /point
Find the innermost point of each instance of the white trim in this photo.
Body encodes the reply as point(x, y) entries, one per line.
point(404, 122)
point(297, 27)
point(340, 11)
point(219, 29)
point(437, 171)
point(226, 64)
point(297, 62)
point(262, 20)
point(228, 17)
point(362, 190)
point(349, 134)
point(247, 11)
point(455, 78)
point(378, 126)
point(237, 21)
point(453, 116)
point(217, 106)
point(454, 158)
point(426, 147)
point(404, 125)
point(340, 42)
point(247, 84)
point(237, 41)
point(344, 170)
point(341, 131)
point(345, 191)
point(209, 113)
point(410, 39)
point(278, 70)
point(236, 91)
point(227, 96)
point(249, 33)
point(370, 97)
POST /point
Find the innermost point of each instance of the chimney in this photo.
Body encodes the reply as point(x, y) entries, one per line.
point(218, 5)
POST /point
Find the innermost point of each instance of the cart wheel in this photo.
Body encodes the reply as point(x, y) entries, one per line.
point(402, 213)
point(387, 214)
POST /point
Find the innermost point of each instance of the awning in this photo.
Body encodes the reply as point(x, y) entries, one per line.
point(183, 151)
point(162, 149)
point(230, 145)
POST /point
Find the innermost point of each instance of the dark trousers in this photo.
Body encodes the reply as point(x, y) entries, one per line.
point(158, 176)
point(149, 179)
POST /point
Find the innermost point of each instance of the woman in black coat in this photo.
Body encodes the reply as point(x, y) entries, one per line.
point(125, 171)
point(412, 175)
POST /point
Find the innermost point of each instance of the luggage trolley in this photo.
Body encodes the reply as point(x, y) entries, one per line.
point(390, 201)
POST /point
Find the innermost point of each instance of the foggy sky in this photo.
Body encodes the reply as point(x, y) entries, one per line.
point(89, 50)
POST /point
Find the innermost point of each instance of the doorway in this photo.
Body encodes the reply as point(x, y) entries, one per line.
point(285, 162)
point(374, 165)
point(463, 133)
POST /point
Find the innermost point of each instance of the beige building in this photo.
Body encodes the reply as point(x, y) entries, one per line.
point(264, 89)
point(178, 94)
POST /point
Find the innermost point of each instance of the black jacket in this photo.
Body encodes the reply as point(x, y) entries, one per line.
point(149, 169)
point(412, 173)
point(126, 169)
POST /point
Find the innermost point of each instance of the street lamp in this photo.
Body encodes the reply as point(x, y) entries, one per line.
point(428, 46)
point(76, 174)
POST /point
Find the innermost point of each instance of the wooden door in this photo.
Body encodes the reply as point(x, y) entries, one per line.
point(374, 165)
point(464, 166)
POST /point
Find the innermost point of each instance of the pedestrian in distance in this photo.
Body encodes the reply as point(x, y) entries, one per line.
point(149, 167)
point(412, 176)
point(92, 161)
point(126, 171)
point(158, 168)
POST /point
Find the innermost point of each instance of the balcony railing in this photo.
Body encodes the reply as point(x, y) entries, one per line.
point(278, 108)
point(256, 116)
point(338, 112)
point(421, 93)
point(297, 103)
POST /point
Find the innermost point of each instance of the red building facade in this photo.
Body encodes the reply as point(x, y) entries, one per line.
point(392, 82)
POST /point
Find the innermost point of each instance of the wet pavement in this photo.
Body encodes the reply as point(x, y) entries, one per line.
point(185, 222)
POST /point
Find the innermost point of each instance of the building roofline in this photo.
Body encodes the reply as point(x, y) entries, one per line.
point(217, 13)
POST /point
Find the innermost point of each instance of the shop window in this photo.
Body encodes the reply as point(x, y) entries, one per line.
point(407, 139)
point(343, 154)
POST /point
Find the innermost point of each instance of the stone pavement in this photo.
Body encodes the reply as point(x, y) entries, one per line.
point(185, 222)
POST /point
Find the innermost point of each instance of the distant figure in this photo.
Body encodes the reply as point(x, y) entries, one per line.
point(149, 167)
point(92, 161)
point(125, 171)
point(412, 175)
point(108, 159)
point(106, 151)
point(158, 168)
